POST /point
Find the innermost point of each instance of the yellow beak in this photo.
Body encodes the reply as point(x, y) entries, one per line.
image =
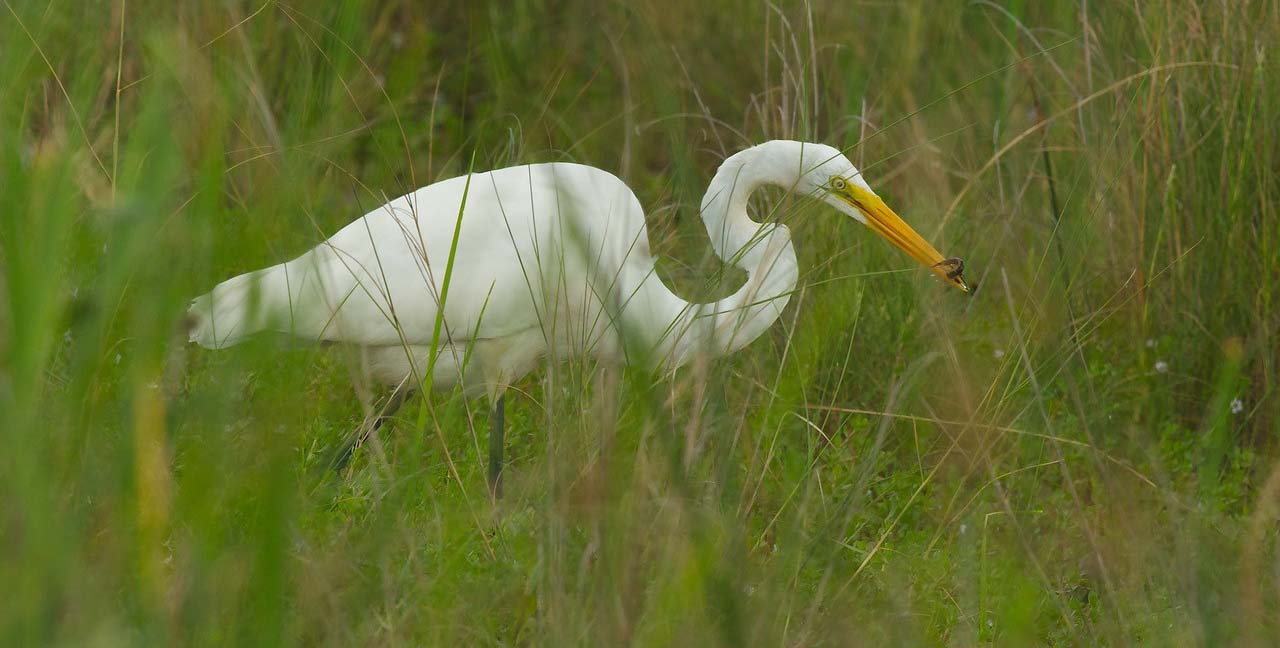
point(888, 224)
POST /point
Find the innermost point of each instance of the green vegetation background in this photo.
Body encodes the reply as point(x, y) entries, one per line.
point(1083, 453)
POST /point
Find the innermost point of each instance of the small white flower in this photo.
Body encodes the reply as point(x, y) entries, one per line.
point(963, 527)
point(998, 353)
point(117, 358)
point(1162, 366)
point(1151, 343)
point(1237, 406)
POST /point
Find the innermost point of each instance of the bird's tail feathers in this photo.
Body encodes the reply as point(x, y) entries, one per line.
point(238, 308)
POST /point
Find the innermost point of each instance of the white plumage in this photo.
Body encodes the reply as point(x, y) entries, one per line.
point(552, 260)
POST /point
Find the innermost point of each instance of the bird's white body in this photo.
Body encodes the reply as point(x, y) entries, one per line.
point(378, 282)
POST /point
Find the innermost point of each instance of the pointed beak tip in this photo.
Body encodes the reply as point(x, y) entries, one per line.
point(885, 222)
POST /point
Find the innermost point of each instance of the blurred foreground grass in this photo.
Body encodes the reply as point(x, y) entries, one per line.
point(1085, 452)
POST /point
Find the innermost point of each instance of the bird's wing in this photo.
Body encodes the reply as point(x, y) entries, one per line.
point(538, 246)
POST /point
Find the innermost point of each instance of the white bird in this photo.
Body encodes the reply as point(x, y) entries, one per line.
point(474, 280)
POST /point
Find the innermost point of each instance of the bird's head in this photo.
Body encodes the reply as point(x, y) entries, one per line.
point(829, 175)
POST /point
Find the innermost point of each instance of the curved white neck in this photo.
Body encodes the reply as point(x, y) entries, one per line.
point(763, 250)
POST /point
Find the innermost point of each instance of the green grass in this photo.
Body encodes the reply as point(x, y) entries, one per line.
point(1083, 453)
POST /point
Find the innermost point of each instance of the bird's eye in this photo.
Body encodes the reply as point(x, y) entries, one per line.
point(838, 183)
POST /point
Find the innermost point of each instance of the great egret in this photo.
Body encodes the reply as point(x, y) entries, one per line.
point(541, 260)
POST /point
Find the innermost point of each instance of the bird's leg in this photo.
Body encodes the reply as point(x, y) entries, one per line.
point(496, 431)
point(368, 427)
